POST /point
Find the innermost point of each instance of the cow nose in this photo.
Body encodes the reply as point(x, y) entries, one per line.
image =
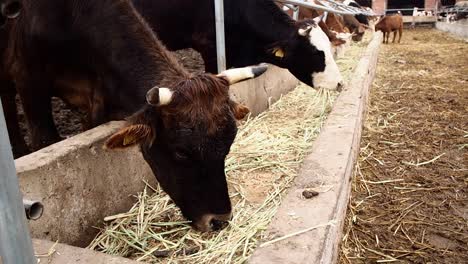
point(212, 222)
point(339, 87)
point(218, 224)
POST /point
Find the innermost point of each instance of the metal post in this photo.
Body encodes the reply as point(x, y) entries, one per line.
point(296, 13)
point(220, 40)
point(15, 241)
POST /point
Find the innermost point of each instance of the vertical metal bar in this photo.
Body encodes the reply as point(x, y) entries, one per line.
point(15, 241)
point(220, 39)
point(295, 12)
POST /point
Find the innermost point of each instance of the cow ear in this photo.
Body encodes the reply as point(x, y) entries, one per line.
point(305, 31)
point(278, 52)
point(240, 111)
point(337, 42)
point(130, 136)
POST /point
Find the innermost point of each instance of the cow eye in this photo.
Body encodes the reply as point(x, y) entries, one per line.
point(180, 155)
point(184, 132)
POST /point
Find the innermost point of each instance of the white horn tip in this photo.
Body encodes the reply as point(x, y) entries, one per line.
point(159, 96)
point(165, 96)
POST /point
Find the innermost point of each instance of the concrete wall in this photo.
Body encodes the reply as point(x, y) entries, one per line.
point(419, 19)
point(79, 183)
point(430, 4)
point(458, 28)
point(379, 6)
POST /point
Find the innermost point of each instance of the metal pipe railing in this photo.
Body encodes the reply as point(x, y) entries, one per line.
point(329, 6)
point(220, 38)
point(15, 241)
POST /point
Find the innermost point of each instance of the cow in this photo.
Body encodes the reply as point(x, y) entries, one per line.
point(9, 10)
point(355, 27)
point(390, 24)
point(361, 18)
point(338, 38)
point(256, 31)
point(102, 57)
point(307, 13)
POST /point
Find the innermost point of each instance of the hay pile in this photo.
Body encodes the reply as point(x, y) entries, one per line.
point(264, 159)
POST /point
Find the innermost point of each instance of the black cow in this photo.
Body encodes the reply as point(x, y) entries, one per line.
point(361, 18)
point(101, 57)
point(256, 31)
point(9, 10)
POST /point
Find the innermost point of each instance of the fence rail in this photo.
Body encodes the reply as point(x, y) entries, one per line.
point(329, 6)
point(453, 9)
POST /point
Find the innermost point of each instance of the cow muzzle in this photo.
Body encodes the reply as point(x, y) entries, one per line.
point(11, 9)
point(212, 222)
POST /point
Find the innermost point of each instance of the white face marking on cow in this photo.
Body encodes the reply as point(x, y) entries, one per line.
point(331, 77)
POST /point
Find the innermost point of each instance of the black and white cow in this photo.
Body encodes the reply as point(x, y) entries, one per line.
point(256, 31)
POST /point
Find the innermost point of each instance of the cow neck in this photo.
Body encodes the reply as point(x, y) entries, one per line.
point(117, 43)
point(147, 62)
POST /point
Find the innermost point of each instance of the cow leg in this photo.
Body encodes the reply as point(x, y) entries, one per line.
point(394, 36)
point(383, 37)
point(36, 100)
point(400, 33)
point(18, 144)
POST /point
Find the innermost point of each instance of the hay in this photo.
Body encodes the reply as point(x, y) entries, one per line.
point(410, 186)
point(270, 146)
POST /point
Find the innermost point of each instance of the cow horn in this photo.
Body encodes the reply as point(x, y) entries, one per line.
point(319, 18)
point(240, 74)
point(11, 9)
point(305, 32)
point(159, 96)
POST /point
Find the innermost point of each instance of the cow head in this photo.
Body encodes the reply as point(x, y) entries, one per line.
point(339, 50)
point(358, 33)
point(308, 56)
point(185, 133)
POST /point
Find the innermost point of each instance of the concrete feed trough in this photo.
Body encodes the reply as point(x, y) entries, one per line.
point(80, 183)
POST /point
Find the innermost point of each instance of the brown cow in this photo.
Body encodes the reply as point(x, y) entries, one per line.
point(355, 27)
point(102, 57)
point(391, 24)
point(332, 27)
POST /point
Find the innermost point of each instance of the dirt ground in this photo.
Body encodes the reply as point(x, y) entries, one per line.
point(68, 121)
point(409, 201)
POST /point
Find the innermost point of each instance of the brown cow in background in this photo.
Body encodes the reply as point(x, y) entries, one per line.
point(390, 24)
point(331, 25)
point(358, 29)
